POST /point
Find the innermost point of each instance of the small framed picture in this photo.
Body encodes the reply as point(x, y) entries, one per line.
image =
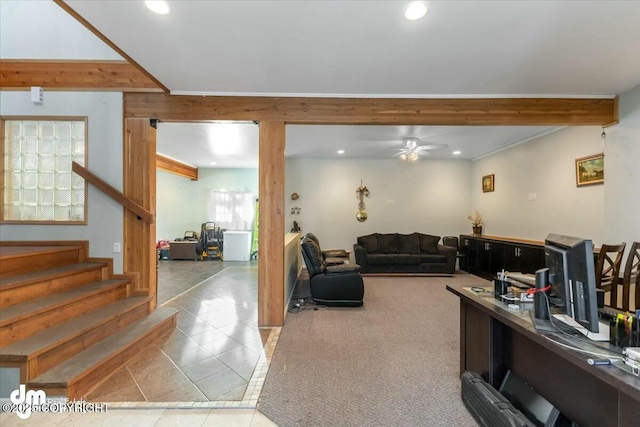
point(590, 170)
point(488, 183)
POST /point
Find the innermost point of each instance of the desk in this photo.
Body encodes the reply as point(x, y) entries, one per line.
point(494, 339)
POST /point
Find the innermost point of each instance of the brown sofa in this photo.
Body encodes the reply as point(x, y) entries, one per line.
point(404, 253)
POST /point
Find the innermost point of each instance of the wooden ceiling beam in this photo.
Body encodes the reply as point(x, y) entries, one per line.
point(74, 75)
point(375, 111)
point(109, 43)
point(177, 168)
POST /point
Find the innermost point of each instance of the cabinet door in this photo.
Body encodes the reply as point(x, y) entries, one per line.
point(484, 256)
point(497, 262)
point(523, 258)
point(530, 257)
point(472, 252)
point(511, 258)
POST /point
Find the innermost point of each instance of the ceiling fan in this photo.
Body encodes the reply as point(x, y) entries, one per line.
point(412, 151)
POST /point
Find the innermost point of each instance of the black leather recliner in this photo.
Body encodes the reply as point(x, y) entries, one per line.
point(331, 256)
point(333, 285)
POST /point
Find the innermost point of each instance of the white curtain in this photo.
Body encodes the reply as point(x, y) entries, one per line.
point(232, 210)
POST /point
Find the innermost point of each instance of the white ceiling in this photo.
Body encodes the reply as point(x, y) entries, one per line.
point(235, 145)
point(367, 48)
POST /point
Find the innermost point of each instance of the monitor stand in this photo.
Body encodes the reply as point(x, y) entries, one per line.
point(542, 324)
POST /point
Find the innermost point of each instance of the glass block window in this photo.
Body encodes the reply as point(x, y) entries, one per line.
point(39, 185)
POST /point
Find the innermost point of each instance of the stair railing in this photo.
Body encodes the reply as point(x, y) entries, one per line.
point(112, 192)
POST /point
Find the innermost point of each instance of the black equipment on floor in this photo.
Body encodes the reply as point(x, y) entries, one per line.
point(210, 242)
point(487, 406)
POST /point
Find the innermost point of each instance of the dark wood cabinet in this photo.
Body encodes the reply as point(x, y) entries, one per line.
point(488, 255)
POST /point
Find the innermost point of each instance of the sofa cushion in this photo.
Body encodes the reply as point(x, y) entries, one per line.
point(406, 259)
point(379, 259)
point(369, 243)
point(428, 258)
point(428, 243)
point(408, 244)
point(387, 244)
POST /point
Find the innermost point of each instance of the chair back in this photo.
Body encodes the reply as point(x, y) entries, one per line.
point(312, 237)
point(631, 278)
point(312, 257)
point(450, 241)
point(608, 270)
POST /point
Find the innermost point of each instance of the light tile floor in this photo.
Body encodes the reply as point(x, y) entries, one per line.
point(216, 357)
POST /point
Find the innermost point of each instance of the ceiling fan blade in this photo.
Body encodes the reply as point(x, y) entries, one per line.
point(430, 147)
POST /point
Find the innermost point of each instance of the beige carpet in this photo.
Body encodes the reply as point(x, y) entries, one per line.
point(393, 362)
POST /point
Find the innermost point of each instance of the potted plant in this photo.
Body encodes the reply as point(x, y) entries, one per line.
point(476, 222)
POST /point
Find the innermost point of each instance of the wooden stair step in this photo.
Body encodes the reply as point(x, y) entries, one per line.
point(22, 320)
point(85, 371)
point(24, 287)
point(66, 339)
point(22, 259)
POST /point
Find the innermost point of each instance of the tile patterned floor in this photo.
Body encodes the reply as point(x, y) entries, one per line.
point(216, 357)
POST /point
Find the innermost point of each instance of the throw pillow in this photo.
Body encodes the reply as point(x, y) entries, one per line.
point(428, 243)
point(388, 243)
point(369, 243)
point(408, 244)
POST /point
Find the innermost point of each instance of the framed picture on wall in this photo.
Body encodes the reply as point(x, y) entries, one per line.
point(590, 170)
point(488, 183)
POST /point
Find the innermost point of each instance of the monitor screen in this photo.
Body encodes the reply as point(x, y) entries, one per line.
point(578, 284)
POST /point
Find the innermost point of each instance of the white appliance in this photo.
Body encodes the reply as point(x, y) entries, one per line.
point(237, 245)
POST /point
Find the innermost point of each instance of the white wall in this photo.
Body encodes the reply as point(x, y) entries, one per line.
point(545, 166)
point(431, 196)
point(622, 173)
point(104, 112)
point(43, 30)
point(182, 203)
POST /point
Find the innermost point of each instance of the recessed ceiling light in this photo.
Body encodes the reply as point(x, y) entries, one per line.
point(456, 152)
point(340, 151)
point(415, 10)
point(212, 163)
point(159, 7)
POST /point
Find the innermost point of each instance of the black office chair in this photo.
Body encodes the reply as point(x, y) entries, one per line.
point(461, 254)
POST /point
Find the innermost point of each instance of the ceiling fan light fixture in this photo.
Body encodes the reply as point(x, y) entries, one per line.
point(411, 143)
point(158, 6)
point(415, 10)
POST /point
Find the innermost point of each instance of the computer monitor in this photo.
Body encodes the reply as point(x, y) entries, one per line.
point(573, 278)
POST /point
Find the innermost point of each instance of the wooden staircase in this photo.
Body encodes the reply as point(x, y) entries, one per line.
point(67, 322)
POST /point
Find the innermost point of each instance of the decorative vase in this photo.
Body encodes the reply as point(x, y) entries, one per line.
point(477, 230)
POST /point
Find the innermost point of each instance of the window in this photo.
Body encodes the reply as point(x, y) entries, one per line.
point(232, 210)
point(39, 185)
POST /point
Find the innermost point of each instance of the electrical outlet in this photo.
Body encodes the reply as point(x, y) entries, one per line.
point(532, 196)
point(116, 247)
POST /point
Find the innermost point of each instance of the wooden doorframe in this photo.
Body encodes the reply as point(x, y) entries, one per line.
point(273, 115)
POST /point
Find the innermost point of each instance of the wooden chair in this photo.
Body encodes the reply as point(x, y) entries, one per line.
point(608, 270)
point(631, 278)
